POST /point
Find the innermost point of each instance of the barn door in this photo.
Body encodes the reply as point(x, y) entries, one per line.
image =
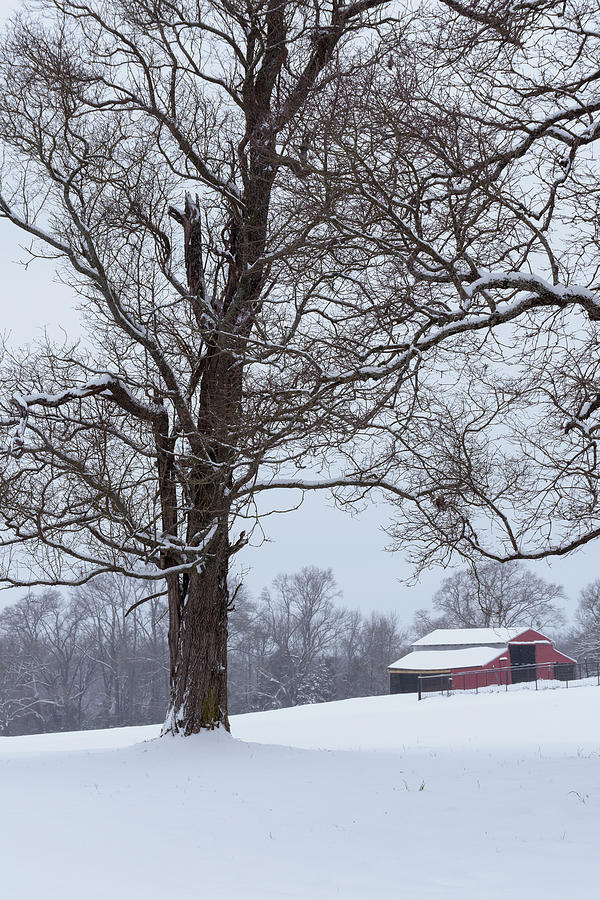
point(403, 683)
point(522, 661)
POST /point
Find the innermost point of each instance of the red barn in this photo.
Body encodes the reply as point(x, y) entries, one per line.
point(465, 658)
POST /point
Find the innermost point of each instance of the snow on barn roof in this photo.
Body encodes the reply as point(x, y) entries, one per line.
point(462, 636)
point(441, 660)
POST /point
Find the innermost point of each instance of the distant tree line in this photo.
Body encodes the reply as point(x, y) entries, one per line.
point(82, 662)
point(297, 644)
point(93, 661)
point(99, 658)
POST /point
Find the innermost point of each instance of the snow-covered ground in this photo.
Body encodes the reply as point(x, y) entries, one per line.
point(470, 797)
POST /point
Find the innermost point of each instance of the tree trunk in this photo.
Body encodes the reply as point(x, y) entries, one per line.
point(198, 697)
point(198, 610)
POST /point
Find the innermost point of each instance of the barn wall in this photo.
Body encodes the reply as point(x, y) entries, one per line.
point(545, 653)
point(469, 679)
point(529, 637)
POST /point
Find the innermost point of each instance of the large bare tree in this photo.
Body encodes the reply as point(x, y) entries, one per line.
point(383, 274)
point(152, 149)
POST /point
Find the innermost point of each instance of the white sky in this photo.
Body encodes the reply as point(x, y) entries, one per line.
point(317, 533)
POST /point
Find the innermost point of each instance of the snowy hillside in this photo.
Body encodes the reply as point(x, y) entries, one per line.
point(464, 797)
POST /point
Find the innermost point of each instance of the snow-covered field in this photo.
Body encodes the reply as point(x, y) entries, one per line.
point(470, 797)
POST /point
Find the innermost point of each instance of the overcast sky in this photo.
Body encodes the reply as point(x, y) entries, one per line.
point(317, 533)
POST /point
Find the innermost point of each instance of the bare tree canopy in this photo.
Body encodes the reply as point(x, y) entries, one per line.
point(475, 188)
point(497, 594)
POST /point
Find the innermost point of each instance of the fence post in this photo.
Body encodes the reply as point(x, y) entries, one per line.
point(419, 686)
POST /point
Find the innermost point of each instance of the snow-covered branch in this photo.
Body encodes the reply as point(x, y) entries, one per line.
point(108, 386)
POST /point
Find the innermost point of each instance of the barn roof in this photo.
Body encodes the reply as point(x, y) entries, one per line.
point(438, 660)
point(462, 636)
